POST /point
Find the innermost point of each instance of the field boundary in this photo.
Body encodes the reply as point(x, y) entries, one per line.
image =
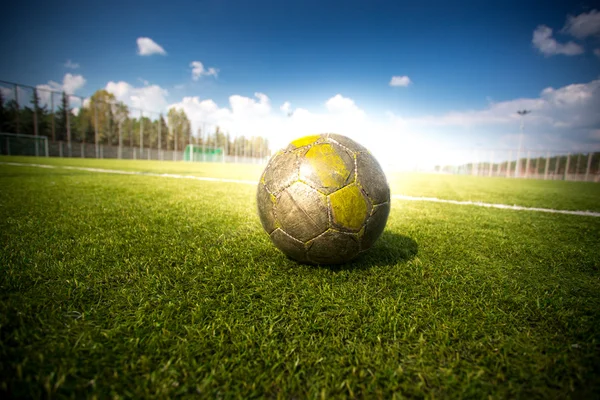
point(247, 182)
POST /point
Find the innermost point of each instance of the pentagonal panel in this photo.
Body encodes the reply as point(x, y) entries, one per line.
point(304, 141)
point(327, 167)
point(302, 212)
point(372, 179)
point(347, 142)
point(281, 172)
point(349, 208)
point(288, 245)
point(375, 225)
point(333, 247)
point(266, 208)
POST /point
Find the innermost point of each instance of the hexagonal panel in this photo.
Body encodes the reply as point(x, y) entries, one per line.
point(347, 142)
point(333, 247)
point(327, 167)
point(302, 212)
point(281, 172)
point(288, 245)
point(304, 141)
point(349, 208)
point(375, 225)
point(372, 179)
point(266, 208)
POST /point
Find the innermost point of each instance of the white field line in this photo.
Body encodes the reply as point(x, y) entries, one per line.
point(492, 205)
point(246, 182)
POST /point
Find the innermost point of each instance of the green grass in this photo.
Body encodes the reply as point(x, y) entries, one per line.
point(523, 192)
point(140, 286)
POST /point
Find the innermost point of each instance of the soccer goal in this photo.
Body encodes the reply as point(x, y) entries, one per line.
point(195, 152)
point(14, 144)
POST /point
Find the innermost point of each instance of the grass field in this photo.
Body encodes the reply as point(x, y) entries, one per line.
point(141, 286)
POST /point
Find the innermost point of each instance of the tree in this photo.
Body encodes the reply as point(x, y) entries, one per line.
point(179, 129)
point(3, 121)
point(101, 109)
point(62, 118)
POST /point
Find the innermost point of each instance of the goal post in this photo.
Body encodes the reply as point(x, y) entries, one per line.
point(194, 152)
point(16, 144)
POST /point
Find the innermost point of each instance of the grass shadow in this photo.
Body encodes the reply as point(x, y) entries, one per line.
point(390, 249)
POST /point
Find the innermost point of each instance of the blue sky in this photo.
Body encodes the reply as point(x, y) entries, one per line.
point(459, 58)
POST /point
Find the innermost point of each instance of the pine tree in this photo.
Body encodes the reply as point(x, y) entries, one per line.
point(61, 118)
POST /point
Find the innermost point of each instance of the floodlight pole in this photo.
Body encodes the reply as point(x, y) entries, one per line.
point(522, 113)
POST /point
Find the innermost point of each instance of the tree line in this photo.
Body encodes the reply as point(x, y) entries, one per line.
point(112, 121)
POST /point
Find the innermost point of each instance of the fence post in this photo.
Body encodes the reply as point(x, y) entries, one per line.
point(96, 130)
point(567, 167)
point(589, 166)
point(35, 122)
point(159, 136)
point(52, 114)
point(120, 151)
point(141, 134)
point(18, 113)
point(68, 115)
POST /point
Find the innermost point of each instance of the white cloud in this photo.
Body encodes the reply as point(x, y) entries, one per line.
point(72, 83)
point(583, 25)
point(255, 117)
point(573, 106)
point(149, 98)
point(286, 108)
point(564, 118)
point(339, 104)
point(545, 43)
point(401, 81)
point(147, 47)
point(71, 64)
point(198, 70)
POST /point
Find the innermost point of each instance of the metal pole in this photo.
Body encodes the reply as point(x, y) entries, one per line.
point(35, 122)
point(589, 166)
point(141, 134)
point(95, 129)
point(52, 114)
point(567, 167)
point(17, 115)
point(175, 144)
point(68, 118)
point(159, 136)
point(527, 164)
point(547, 165)
point(120, 155)
point(204, 142)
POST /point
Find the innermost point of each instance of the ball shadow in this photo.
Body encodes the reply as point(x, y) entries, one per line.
point(390, 249)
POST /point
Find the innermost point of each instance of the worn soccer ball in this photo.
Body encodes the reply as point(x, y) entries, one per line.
point(323, 199)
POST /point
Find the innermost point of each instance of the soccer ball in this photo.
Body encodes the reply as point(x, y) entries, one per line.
point(323, 199)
